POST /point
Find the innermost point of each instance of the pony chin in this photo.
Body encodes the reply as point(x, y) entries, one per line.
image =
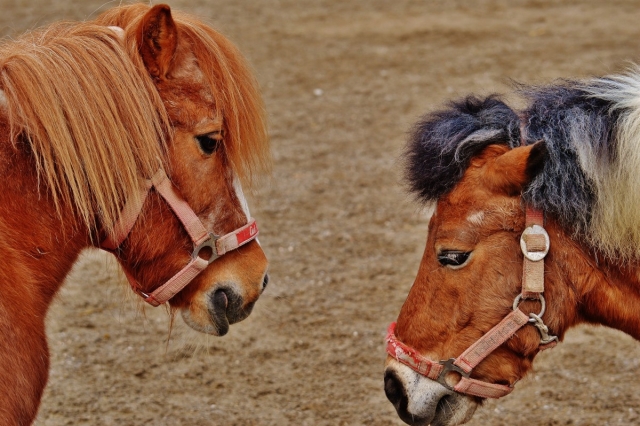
point(199, 318)
point(427, 402)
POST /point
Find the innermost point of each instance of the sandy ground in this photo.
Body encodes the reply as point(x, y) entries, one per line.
point(343, 81)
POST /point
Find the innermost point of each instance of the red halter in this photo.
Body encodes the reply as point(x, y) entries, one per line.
point(534, 243)
point(197, 231)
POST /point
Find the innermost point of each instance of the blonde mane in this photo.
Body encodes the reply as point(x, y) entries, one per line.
point(84, 104)
point(615, 225)
point(90, 117)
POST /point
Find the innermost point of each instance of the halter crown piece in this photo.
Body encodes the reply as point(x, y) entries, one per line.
point(534, 243)
point(197, 231)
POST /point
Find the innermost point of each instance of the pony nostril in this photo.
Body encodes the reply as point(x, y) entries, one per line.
point(395, 391)
point(218, 311)
point(265, 281)
point(220, 300)
point(228, 307)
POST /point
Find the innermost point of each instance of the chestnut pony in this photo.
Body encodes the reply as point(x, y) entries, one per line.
point(93, 118)
point(569, 162)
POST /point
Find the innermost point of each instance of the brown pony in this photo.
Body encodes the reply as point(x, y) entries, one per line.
point(91, 116)
point(470, 328)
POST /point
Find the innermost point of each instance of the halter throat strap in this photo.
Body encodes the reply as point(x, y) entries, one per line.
point(534, 243)
point(200, 236)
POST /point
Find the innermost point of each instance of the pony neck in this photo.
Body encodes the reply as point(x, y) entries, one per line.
point(39, 243)
point(586, 288)
point(38, 246)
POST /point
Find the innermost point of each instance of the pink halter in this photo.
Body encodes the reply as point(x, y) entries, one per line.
point(534, 243)
point(197, 231)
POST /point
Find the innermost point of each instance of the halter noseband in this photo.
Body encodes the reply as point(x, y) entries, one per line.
point(198, 233)
point(534, 243)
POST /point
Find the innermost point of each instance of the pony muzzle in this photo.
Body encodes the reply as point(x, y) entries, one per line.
point(420, 401)
point(222, 296)
point(227, 307)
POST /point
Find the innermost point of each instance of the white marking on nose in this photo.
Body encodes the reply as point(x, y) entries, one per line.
point(237, 186)
point(424, 396)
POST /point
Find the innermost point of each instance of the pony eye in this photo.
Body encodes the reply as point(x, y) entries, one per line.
point(453, 258)
point(209, 142)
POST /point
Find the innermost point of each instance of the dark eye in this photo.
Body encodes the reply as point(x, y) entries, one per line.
point(209, 142)
point(453, 258)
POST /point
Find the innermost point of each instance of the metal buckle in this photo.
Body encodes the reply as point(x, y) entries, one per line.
point(540, 297)
point(535, 256)
point(536, 320)
point(209, 242)
point(448, 366)
point(545, 337)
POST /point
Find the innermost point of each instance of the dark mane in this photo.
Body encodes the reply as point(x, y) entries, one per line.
point(570, 121)
point(577, 127)
point(443, 142)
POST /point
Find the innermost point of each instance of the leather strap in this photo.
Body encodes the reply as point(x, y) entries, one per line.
point(467, 361)
point(482, 389)
point(490, 341)
point(534, 243)
point(176, 283)
point(410, 357)
point(197, 232)
point(166, 291)
point(127, 219)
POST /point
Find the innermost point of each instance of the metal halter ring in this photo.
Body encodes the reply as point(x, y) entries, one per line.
point(535, 256)
point(518, 298)
point(209, 242)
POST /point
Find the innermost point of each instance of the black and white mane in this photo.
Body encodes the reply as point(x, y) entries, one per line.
point(590, 181)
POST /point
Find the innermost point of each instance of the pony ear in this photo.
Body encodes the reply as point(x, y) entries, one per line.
point(157, 38)
point(514, 169)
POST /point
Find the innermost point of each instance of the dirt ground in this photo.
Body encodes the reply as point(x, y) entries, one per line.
point(343, 81)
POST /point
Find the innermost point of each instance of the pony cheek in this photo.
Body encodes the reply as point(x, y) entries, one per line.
point(526, 342)
point(503, 367)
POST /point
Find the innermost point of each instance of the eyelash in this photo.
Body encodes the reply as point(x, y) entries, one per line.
point(209, 142)
point(453, 258)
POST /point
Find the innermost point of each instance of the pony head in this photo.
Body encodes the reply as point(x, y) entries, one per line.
point(140, 107)
point(466, 284)
point(473, 163)
point(216, 140)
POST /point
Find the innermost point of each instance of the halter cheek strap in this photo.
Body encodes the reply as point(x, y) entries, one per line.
point(199, 235)
point(534, 243)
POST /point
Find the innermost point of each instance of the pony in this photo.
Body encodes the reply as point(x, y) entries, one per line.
point(535, 229)
point(133, 132)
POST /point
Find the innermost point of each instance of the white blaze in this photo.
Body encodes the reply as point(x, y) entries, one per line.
point(476, 218)
point(243, 201)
